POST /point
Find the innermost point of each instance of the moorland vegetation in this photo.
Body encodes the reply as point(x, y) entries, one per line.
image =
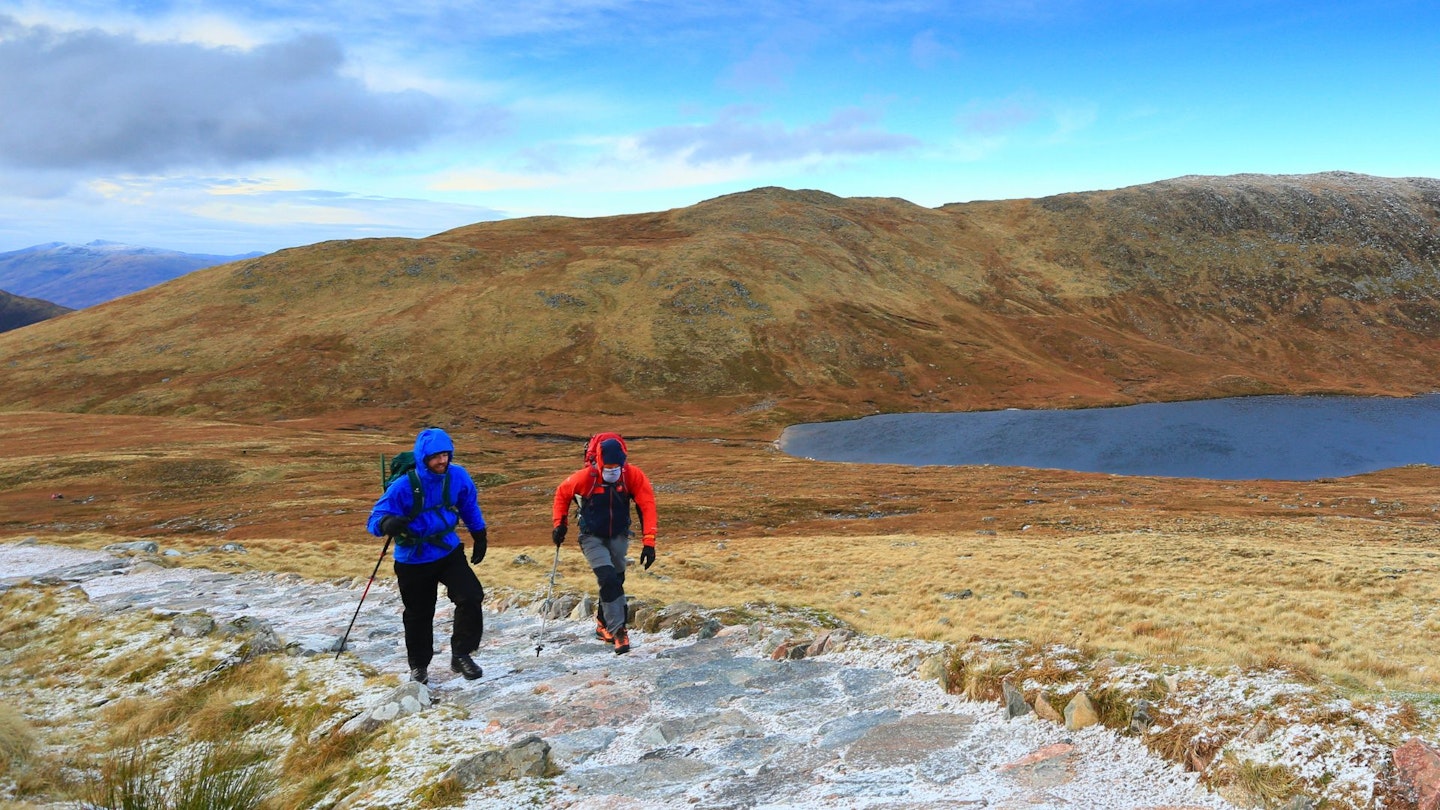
point(250, 402)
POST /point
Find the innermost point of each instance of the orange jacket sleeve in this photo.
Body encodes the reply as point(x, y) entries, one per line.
point(644, 495)
point(565, 493)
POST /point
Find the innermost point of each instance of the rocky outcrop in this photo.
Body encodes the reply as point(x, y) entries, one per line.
point(406, 699)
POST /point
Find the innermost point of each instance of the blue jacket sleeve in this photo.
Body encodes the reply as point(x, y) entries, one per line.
point(467, 500)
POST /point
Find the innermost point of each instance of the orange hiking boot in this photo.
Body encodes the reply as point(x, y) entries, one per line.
point(622, 641)
point(600, 631)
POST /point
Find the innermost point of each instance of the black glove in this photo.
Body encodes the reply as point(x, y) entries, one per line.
point(647, 556)
point(558, 534)
point(393, 525)
point(478, 554)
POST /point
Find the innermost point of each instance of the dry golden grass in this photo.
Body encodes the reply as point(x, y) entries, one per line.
point(1309, 605)
point(203, 732)
point(17, 739)
point(312, 770)
point(443, 793)
point(1306, 602)
point(1262, 784)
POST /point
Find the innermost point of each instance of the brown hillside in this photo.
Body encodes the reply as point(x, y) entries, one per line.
point(789, 305)
point(17, 311)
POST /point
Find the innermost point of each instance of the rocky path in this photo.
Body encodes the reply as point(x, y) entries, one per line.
point(702, 723)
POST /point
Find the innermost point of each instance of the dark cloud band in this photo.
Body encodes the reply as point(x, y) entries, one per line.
point(91, 99)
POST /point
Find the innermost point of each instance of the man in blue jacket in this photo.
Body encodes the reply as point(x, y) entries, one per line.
point(429, 552)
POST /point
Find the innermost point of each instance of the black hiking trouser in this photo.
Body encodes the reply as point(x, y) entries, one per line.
point(419, 587)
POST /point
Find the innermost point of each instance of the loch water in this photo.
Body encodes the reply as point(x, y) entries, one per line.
point(1295, 438)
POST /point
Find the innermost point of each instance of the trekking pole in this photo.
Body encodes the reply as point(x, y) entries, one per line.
point(549, 600)
point(343, 638)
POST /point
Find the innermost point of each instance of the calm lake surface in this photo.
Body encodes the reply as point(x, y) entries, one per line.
point(1277, 437)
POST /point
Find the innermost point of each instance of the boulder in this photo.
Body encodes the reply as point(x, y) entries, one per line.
point(134, 547)
point(529, 756)
point(1417, 770)
point(407, 698)
point(1080, 712)
point(192, 625)
point(584, 609)
point(831, 641)
point(935, 668)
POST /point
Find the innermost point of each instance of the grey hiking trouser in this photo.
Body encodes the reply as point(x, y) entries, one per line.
point(606, 556)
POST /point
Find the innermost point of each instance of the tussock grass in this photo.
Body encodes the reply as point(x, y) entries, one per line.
point(17, 739)
point(312, 770)
point(1264, 784)
point(212, 777)
point(443, 793)
point(229, 706)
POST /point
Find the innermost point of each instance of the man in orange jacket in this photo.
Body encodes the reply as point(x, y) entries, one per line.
point(604, 490)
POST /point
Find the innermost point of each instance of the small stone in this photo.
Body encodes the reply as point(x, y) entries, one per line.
point(1080, 713)
point(1044, 710)
point(1015, 705)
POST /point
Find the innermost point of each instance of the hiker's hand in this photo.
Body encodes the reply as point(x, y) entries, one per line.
point(558, 534)
point(647, 557)
point(393, 525)
point(478, 555)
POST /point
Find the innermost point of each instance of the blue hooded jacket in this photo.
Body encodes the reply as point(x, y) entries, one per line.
point(398, 499)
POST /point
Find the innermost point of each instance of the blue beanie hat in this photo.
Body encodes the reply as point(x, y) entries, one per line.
point(611, 452)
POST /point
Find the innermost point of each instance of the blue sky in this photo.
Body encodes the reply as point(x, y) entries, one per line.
point(222, 127)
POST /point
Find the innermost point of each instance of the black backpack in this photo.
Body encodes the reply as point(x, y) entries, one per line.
point(403, 466)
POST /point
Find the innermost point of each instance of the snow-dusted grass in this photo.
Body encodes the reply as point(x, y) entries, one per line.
point(1352, 607)
point(1259, 735)
point(1254, 726)
point(17, 739)
point(133, 717)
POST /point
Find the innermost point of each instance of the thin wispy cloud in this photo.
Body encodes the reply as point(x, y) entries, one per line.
point(998, 118)
point(929, 50)
point(737, 136)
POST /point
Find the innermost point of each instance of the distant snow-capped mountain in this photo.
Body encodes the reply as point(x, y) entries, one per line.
point(79, 276)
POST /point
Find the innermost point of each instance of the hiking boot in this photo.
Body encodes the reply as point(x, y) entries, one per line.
point(465, 665)
point(622, 641)
point(419, 675)
point(601, 633)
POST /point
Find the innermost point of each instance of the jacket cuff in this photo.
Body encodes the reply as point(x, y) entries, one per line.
point(649, 540)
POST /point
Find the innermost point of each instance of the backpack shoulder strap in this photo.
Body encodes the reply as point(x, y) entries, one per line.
point(417, 494)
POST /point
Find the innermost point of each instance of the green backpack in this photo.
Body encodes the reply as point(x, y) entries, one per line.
point(403, 466)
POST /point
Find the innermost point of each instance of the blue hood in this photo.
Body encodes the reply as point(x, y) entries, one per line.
point(432, 440)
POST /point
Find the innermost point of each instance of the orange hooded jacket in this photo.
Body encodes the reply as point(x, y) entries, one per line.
point(608, 505)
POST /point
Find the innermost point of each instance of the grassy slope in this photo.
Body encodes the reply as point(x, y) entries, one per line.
point(781, 306)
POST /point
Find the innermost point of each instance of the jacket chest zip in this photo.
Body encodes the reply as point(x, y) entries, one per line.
point(607, 499)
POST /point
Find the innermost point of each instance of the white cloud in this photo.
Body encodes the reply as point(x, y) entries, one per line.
point(93, 100)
